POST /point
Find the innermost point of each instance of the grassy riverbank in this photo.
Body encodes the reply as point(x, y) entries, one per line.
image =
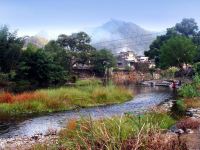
point(189, 96)
point(127, 132)
point(64, 98)
point(135, 132)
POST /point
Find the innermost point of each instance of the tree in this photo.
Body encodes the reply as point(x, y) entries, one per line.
point(154, 51)
point(102, 60)
point(59, 54)
point(10, 49)
point(76, 42)
point(38, 67)
point(187, 27)
point(177, 51)
point(78, 47)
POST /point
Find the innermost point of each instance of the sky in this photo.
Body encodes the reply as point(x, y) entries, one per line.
point(52, 17)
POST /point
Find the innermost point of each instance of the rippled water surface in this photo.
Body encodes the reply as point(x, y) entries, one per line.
point(145, 97)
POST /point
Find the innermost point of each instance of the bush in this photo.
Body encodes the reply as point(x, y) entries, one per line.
point(196, 81)
point(188, 91)
point(179, 108)
point(170, 72)
point(196, 67)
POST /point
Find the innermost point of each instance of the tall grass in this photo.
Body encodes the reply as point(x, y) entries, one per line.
point(188, 91)
point(64, 98)
point(192, 102)
point(126, 132)
point(192, 89)
point(191, 93)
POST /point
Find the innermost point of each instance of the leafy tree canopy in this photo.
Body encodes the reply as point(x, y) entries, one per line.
point(187, 27)
point(10, 49)
point(102, 60)
point(177, 51)
point(38, 67)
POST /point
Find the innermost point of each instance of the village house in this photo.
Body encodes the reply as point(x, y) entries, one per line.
point(131, 60)
point(126, 59)
point(142, 59)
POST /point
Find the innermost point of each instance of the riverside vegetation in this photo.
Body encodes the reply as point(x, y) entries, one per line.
point(53, 65)
point(125, 132)
point(85, 93)
point(147, 131)
point(189, 96)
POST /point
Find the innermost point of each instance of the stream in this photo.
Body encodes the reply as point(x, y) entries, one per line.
point(144, 99)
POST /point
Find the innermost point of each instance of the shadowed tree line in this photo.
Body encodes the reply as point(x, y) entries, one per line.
point(51, 65)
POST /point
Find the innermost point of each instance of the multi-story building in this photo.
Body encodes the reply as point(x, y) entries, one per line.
point(126, 59)
point(130, 59)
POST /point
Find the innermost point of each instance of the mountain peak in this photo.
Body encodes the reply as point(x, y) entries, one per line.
point(117, 35)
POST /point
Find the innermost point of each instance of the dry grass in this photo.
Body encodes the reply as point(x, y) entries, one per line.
point(7, 97)
point(154, 141)
point(192, 102)
point(119, 133)
point(188, 123)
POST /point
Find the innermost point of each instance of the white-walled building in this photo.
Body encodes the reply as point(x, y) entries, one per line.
point(130, 59)
point(142, 59)
point(126, 59)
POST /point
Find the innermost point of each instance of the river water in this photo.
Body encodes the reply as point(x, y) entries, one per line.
point(144, 99)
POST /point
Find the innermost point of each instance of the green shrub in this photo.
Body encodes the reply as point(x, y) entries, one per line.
point(196, 67)
point(196, 81)
point(188, 91)
point(179, 108)
point(170, 72)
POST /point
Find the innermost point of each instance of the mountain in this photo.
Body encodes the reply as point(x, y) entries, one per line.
point(38, 41)
point(120, 36)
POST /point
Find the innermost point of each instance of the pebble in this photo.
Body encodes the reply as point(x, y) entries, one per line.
point(179, 131)
point(26, 142)
point(193, 112)
point(167, 105)
point(189, 131)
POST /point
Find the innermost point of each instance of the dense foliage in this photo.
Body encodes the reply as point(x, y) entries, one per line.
point(51, 65)
point(177, 51)
point(10, 50)
point(187, 32)
point(102, 60)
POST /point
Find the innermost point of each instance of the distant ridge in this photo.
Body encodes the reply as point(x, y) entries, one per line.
point(118, 35)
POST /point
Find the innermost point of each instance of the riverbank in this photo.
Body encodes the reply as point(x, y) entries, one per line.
point(84, 94)
point(111, 132)
point(143, 101)
point(52, 138)
point(150, 131)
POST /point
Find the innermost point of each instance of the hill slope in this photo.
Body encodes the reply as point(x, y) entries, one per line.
point(121, 36)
